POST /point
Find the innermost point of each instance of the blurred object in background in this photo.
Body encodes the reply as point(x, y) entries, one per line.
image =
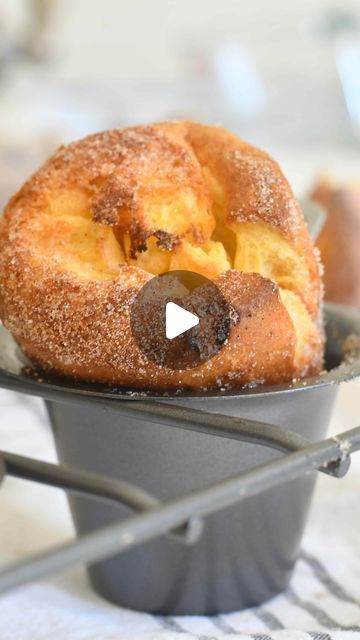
point(315, 216)
point(36, 41)
point(284, 76)
point(348, 64)
point(341, 27)
point(37, 110)
point(266, 70)
point(339, 241)
point(21, 47)
point(29, 40)
point(239, 80)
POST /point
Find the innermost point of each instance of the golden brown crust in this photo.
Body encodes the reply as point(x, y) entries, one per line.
point(339, 242)
point(64, 331)
point(106, 213)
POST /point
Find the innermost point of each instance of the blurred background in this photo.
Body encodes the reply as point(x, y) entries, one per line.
point(283, 75)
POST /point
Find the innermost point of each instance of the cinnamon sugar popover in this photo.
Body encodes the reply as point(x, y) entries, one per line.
point(107, 213)
point(339, 240)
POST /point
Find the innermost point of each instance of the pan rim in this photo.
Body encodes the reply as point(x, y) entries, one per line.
point(63, 389)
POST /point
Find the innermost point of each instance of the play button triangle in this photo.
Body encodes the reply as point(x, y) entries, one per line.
point(178, 320)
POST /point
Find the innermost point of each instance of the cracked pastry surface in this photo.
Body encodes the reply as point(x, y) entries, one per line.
point(108, 212)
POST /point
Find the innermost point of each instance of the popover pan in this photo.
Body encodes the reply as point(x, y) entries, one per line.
point(246, 552)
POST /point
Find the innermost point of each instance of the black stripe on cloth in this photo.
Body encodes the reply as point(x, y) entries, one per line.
point(223, 626)
point(268, 619)
point(319, 635)
point(327, 580)
point(318, 614)
point(169, 624)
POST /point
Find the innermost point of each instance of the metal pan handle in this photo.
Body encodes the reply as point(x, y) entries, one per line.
point(161, 519)
point(92, 485)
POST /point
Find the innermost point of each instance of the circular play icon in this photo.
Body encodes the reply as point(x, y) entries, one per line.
point(180, 319)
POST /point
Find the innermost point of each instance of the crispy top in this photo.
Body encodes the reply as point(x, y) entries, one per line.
point(177, 194)
point(106, 213)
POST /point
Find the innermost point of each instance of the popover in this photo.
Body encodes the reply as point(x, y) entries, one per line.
point(105, 214)
point(339, 240)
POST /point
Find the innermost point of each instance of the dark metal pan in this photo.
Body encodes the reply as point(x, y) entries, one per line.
point(170, 448)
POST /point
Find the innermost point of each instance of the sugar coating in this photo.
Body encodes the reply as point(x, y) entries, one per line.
point(79, 325)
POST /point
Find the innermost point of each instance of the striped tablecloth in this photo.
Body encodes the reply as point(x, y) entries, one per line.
point(322, 603)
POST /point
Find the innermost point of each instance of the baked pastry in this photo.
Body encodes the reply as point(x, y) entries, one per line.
point(339, 241)
point(105, 214)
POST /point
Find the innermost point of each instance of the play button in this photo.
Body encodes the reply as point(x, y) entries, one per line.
point(180, 319)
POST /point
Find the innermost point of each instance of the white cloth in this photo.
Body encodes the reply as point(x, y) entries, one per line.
point(323, 602)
